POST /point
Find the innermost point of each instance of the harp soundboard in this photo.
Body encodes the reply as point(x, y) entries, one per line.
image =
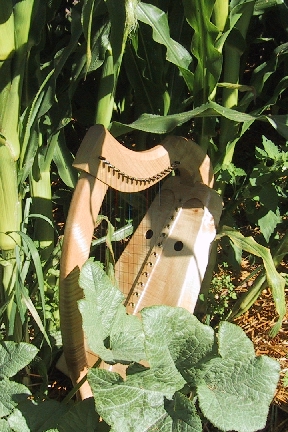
point(172, 241)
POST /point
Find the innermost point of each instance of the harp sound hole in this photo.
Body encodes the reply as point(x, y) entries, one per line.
point(178, 246)
point(149, 234)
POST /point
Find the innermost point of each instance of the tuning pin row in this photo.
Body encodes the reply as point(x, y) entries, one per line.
point(138, 179)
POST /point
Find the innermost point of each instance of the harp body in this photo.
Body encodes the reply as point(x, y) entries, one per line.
point(166, 258)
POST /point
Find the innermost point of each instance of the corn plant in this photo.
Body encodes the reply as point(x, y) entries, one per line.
point(46, 52)
point(187, 60)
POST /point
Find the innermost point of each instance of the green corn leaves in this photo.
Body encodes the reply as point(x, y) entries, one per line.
point(209, 59)
point(275, 281)
point(157, 19)
point(9, 202)
point(7, 42)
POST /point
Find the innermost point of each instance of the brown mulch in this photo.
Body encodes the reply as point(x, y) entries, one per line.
point(257, 323)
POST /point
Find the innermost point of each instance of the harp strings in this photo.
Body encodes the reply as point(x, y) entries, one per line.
point(124, 211)
point(127, 214)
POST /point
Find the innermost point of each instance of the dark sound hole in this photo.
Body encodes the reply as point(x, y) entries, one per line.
point(178, 246)
point(149, 234)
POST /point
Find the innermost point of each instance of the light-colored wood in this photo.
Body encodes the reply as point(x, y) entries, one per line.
point(130, 171)
point(166, 258)
point(169, 266)
point(80, 224)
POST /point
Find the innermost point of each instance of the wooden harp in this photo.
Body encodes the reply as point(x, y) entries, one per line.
point(172, 241)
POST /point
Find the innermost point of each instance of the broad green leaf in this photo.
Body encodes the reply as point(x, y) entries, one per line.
point(39, 415)
point(14, 357)
point(228, 334)
point(268, 194)
point(135, 404)
point(275, 280)
point(11, 394)
point(229, 173)
point(268, 223)
point(127, 338)
point(98, 308)
point(270, 148)
point(183, 414)
point(175, 336)
point(17, 422)
point(279, 123)
point(104, 315)
point(236, 394)
point(4, 426)
point(81, 417)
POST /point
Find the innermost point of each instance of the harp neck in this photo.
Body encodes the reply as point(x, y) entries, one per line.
point(102, 156)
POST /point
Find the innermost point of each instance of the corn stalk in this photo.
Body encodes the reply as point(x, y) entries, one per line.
point(123, 20)
point(14, 32)
point(21, 146)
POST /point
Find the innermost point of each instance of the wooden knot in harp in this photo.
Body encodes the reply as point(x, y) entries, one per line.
point(172, 241)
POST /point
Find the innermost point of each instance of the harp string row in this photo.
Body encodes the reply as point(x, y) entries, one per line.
point(152, 259)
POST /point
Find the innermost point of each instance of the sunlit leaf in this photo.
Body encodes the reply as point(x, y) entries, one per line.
point(14, 357)
point(275, 280)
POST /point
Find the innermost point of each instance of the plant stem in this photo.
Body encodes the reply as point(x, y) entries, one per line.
point(42, 204)
point(231, 72)
point(106, 92)
point(220, 14)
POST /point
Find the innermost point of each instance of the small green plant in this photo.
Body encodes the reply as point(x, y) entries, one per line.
point(222, 291)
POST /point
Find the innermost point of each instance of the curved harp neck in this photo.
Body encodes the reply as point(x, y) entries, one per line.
point(102, 156)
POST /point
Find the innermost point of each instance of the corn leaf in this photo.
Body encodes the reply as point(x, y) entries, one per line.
point(86, 19)
point(14, 357)
point(63, 160)
point(275, 280)
point(209, 59)
point(176, 53)
point(38, 269)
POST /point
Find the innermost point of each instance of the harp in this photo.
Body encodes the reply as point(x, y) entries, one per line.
point(172, 241)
